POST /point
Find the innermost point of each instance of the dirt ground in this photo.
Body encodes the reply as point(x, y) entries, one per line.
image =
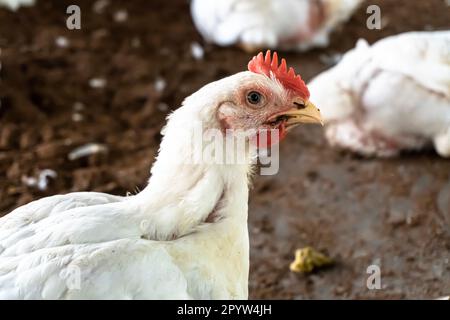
point(394, 213)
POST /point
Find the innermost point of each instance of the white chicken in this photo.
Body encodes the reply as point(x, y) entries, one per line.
point(389, 97)
point(15, 4)
point(185, 235)
point(284, 24)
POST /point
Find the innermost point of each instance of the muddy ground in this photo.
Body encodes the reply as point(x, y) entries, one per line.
point(394, 213)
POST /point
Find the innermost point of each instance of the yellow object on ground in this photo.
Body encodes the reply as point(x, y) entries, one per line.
point(308, 259)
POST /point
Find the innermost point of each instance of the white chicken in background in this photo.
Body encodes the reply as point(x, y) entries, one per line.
point(389, 97)
point(185, 235)
point(284, 24)
point(15, 4)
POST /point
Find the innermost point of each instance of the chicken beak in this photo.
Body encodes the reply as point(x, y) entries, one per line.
point(303, 113)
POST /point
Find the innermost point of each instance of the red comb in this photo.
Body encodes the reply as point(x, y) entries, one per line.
point(267, 66)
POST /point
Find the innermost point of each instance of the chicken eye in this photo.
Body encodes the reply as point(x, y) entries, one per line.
point(254, 97)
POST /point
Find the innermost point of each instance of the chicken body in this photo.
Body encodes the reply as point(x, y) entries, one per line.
point(256, 24)
point(92, 246)
point(389, 97)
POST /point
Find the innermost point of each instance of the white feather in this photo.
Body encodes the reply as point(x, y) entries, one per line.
point(390, 96)
point(286, 24)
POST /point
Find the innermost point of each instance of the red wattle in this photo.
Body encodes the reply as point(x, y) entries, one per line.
point(268, 141)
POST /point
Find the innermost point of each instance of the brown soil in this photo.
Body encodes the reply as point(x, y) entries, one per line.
point(395, 213)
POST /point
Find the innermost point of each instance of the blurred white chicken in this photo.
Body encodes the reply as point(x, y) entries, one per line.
point(15, 4)
point(284, 24)
point(388, 97)
point(185, 235)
